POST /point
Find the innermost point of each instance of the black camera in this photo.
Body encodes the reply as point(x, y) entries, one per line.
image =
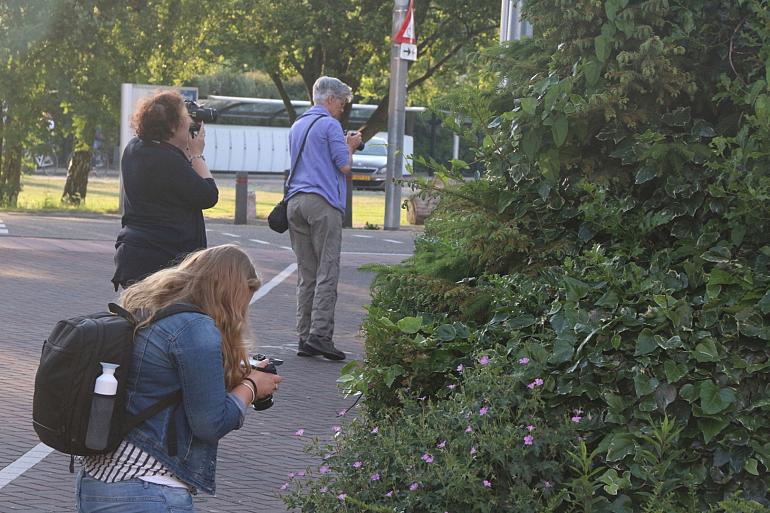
point(199, 114)
point(272, 363)
point(360, 146)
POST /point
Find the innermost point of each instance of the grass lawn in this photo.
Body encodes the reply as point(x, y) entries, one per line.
point(42, 193)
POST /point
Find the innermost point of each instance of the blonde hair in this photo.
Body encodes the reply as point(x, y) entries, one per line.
point(220, 281)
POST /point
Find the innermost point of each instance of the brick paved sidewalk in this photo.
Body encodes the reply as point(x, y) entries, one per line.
point(44, 280)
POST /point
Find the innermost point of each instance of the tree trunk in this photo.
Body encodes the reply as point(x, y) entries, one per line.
point(377, 122)
point(77, 177)
point(10, 177)
point(290, 110)
point(2, 134)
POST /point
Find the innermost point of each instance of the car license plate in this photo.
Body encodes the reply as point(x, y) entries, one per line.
point(365, 178)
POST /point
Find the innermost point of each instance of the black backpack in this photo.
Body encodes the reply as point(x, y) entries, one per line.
point(69, 366)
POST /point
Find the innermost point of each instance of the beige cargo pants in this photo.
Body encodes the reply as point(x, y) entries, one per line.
point(315, 228)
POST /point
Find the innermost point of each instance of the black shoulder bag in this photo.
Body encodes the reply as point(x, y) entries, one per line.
point(278, 219)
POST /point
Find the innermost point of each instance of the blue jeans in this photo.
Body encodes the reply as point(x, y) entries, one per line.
point(130, 496)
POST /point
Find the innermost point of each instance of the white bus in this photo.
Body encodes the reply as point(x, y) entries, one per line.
point(252, 135)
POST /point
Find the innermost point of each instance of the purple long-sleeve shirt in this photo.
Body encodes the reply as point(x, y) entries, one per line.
point(318, 169)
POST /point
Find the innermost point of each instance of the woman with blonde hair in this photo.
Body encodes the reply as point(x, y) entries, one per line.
point(204, 354)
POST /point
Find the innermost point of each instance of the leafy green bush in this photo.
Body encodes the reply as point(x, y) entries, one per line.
point(494, 443)
point(618, 245)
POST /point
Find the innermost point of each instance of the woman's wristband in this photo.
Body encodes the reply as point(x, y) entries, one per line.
point(252, 384)
point(252, 390)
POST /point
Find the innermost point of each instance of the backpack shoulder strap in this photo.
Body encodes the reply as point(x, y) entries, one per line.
point(167, 311)
point(119, 310)
point(155, 408)
point(174, 309)
point(299, 155)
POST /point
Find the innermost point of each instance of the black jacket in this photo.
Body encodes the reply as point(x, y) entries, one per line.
point(163, 199)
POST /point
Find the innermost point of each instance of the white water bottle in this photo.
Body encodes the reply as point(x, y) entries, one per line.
point(101, 408)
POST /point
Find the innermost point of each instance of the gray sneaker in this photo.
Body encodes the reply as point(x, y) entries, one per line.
point(324, 347)
point(304, 350)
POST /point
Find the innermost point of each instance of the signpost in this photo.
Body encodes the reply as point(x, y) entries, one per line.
point(402, 49)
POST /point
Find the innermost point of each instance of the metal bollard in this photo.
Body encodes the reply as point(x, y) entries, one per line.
point(241, 193)
point(348, 221)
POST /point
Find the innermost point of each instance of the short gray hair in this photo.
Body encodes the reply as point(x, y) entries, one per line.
point(326, 88)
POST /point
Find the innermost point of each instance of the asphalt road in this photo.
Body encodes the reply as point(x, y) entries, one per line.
point(56, 266)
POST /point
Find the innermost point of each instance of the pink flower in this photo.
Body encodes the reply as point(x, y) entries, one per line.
point(324, 469)
point(530, 428)
point(324, 489)
point(483, 411)
point(342, 496)
point(547, 484)
point(576, 419)
point(375, 430)
point(284, 486)
point(427, 458)
point(538, 382)
point(529, 440)
point(358, 464)
point(414, 486)
point(342, 413)
point(336, 429)
point(469, 429)
point(299, 432)
point(523, 361)
point(301, 473)
point(484, 360)
point(375, 477)
point(441, 444)
point(460, 367)
point(291, 475)
point(452, 386)
point(389, 494)
point(487, 484)
point(473, 450)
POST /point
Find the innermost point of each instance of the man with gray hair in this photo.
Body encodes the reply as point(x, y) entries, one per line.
point(321, 156)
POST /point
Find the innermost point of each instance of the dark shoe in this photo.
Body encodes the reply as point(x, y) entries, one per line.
point(304, 350)
point(324, 347)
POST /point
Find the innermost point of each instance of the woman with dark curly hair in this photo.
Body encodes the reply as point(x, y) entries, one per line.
point(166, 186)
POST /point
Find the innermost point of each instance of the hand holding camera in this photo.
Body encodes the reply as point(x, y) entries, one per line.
point(354, 140)
point(265, 374)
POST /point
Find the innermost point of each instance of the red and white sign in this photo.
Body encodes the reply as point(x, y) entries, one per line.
point(406, 33)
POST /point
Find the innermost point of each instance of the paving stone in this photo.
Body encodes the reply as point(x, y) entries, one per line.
point(43, 280)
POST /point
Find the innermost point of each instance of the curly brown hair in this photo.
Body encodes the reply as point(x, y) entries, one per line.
point(156, 117)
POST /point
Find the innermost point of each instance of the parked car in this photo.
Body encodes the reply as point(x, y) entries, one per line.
point(370, 164)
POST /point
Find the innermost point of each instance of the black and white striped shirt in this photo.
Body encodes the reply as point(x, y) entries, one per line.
point(128, 462)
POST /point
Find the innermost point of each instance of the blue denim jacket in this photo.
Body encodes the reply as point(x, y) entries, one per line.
point(183, 351)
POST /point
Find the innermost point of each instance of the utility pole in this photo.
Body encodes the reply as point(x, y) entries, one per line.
point(512, 27)
point(401, 33)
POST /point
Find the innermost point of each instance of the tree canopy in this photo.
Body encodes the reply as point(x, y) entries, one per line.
point(349, 40)
point(64, 60)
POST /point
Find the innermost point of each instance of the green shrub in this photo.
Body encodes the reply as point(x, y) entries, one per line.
point(493, 444)
point(618, 244)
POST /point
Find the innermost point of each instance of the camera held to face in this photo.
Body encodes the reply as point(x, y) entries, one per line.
point(199, 114)
point(351, 132)
point(272, 363)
